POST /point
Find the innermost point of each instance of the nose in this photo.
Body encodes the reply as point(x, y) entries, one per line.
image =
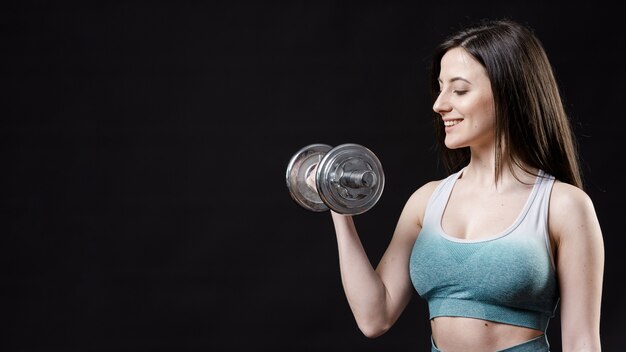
point(441, 105)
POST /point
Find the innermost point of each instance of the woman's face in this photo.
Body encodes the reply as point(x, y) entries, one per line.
point(465, 102)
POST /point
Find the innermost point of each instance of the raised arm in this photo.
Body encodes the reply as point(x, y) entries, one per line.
point(580, 264)
point(378, 297)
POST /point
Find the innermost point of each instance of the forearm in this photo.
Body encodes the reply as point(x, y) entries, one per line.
point(363, 287)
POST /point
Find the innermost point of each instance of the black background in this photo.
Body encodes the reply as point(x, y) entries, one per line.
point(145, 144)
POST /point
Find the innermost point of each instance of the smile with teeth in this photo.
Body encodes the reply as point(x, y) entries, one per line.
point(449, 123)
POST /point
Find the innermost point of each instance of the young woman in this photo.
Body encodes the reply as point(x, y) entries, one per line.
point(510, 233)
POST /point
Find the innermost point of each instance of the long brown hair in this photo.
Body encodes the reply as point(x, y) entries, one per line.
point(532, 128)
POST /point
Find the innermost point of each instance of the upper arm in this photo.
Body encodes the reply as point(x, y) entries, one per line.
point(393, 267)
point(577, 236)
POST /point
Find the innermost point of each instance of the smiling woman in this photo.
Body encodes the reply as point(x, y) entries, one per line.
point(465, 101)
point(144, 145)
point(496, 245)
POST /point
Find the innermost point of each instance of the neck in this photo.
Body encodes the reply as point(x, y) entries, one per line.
point(482, 171)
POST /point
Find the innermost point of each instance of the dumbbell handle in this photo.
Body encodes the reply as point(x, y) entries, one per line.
point(350, 179)
point(358, 179)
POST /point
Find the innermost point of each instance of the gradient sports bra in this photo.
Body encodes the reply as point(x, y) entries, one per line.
point(507, 278)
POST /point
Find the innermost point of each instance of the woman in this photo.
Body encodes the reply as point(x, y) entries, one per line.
point(509, 234)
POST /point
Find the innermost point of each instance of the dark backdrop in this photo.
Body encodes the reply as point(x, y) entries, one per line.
point(144, 147)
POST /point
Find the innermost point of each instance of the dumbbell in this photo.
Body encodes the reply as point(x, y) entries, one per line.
point(348, 178)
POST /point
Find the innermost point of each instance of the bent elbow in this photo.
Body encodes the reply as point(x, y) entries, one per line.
point(372, 330)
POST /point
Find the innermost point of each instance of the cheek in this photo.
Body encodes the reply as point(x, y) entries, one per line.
point(487, 110)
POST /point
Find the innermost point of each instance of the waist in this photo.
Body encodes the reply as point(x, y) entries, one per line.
point(458, 333)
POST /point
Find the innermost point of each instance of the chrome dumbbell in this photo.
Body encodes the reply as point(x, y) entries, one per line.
point(348, 178)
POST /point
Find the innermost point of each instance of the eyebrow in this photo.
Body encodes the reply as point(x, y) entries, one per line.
point(453, 79)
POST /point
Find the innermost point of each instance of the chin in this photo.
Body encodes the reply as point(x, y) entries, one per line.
point(452, 145)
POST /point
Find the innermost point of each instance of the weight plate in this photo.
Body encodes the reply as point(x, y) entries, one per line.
point(300, 166)
point(350, 179)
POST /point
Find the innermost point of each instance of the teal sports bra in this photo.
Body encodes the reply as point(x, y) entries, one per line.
point(507, 278)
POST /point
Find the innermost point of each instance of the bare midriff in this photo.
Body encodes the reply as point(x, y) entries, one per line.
point(460, 334)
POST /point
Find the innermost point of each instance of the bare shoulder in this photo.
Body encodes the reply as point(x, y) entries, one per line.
point(571, 212)
point(422, 194)
point(417, 202)
point(566, 199)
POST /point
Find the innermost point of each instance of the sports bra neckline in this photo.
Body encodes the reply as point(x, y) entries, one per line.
point(506, 231)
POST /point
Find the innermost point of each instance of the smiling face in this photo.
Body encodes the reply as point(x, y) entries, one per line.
point(465, 102)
